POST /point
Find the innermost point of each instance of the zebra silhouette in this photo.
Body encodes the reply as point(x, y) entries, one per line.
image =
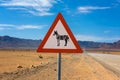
point(61, 37)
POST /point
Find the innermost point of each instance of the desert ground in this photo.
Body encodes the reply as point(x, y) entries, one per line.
point(29, 65)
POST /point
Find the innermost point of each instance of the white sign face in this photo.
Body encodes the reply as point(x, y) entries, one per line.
point(59, 38)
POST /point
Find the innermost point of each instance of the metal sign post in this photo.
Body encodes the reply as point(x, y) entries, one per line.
point(59, 66)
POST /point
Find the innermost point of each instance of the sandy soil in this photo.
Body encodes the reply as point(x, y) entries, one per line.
point(10, 60)
point(74, 67)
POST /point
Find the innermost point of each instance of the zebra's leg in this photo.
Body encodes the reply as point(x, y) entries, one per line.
point(58, 42)
point(65, 42)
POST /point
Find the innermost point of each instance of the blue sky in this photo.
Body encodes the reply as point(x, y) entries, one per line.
point(89, 20)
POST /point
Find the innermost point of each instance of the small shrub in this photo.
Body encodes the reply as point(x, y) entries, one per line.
point(19, 66)
point(55, 70)
point(33, 66)
point(40, 56)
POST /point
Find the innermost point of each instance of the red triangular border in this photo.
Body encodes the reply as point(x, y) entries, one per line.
point(59, 17)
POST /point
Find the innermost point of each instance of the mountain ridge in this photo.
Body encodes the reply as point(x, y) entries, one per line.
point(7, 42)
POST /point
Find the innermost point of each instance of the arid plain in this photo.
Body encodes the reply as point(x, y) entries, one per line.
point(29, 65)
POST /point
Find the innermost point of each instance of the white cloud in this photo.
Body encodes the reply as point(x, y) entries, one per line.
point(107, 31)
point(29, 27)
point(87, 38)
point(3, 25)
point(96, 38)
point(35, 7)
point(20, 27)
point(88, 9)
point(1, 28)
point(6, 26)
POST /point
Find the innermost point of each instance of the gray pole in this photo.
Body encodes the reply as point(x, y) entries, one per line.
point(59, 66)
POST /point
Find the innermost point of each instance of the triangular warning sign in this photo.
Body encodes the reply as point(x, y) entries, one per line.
point(59, 38)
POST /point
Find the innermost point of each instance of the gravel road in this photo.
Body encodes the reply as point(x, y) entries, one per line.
point(111, 61)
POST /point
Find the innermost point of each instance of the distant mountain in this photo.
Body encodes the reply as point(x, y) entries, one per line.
point(116, 44)
point(7, 42)
point(89, 44)
point(98, 45)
